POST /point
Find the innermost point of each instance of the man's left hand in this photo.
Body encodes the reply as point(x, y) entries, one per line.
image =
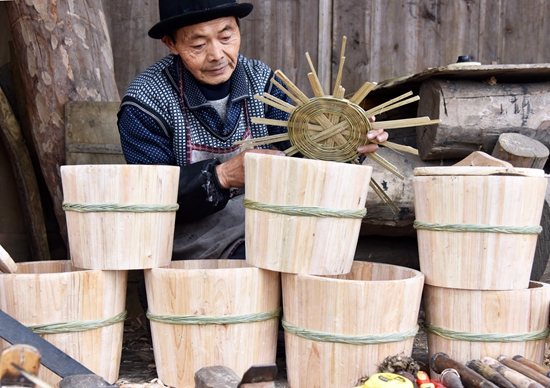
point(375, 136)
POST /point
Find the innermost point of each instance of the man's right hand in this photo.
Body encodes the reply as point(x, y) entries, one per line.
point(231, 173)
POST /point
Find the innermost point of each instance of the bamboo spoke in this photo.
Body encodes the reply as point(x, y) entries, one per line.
point(275, 104)
point(277, 123)
point(390, 107)
point(262, 140)
point(399, 147)
point(293, 88)
point(287, 92)
point(362, 92)
point(390, 102)
point(317, 89)
point(383, 196)
point(340, 66)
point(403, 123)
point(384, 163)
point(315, 85)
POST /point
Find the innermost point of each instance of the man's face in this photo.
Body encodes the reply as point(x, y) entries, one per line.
point(208, 50)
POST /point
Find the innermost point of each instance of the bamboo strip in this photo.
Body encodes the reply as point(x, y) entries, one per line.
point(273, 103)
point(262, 140)
point(293, 88)
point(315, 85)
point(340, 67)
point(384, 163)
point(316, 78)
point(278, 101)
point(383, 196)
point(287, 92)
point(403, 123)
point(390, 107)
point(362, 92)
point(261, 120)
point(389, 102)
point(398, 147)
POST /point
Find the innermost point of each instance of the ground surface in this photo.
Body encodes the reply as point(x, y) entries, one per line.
point(137, 369)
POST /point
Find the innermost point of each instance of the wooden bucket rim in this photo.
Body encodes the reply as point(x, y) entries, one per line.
point(246, 266)
point(533, 287)
point(118, 166)
point(478, 171)
point(303, 160)
point(417, 275)
point(46, 274)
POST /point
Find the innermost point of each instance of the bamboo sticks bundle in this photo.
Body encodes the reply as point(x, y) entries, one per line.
point(327, 126)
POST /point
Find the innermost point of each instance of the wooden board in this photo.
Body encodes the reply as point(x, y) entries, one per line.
point(91, 133)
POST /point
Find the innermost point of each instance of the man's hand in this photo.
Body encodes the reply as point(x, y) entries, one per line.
point(231, 173)
point(375, 136)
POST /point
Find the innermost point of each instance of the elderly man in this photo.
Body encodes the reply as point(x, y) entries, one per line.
point(189, 108)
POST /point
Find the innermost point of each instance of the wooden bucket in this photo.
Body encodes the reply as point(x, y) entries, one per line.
point(303, 216)
point(120, 216)
point(477, 226)
point(462, 323)
point(374, 308)
point(53, 292)
point(211, 312)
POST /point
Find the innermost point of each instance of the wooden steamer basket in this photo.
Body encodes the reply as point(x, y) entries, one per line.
point(303, 215)
point(81, 312)
point(211, 312)
point(338, 329)
point(120, 216)
point(472, 324)
point(477, 223)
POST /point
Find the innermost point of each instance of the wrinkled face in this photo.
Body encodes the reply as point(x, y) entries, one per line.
point(208, 50)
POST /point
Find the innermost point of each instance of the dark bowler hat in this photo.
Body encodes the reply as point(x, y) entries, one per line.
point(175, 14)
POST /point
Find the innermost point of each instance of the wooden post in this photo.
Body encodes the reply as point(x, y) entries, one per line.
point(64, 51)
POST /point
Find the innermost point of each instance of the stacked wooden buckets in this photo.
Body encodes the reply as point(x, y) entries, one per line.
point(118, 218)
point(341, 319)
point(477, 225)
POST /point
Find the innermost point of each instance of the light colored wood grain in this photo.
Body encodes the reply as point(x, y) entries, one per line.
point(484, 312)
point(54, 292)
point(120, 240)
point(474, 260)
point(521, 151)
point(317, 245)
point(7, 265)
point(212, 288)
point(372, 299)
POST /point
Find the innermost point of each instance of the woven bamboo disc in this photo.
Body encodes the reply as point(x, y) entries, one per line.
point(304, 133)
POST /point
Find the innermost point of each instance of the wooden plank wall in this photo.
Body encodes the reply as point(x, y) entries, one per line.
point(386, 38)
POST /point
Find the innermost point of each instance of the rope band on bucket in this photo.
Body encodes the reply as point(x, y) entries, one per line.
point(477, 228)
point(72, 327)
point(212, 320)
point(117, 207)
point(307, 211)
point(487, 337)
point(372, 339)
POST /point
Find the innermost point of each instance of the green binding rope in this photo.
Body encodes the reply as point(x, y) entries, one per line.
point(488, 337)
point(71, 327)
point(116, 207)
point(212, 320)
point(307, 211)
point(477, 228)
point(373, 339)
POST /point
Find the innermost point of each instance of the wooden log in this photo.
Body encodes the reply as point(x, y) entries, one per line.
point(10, 134)
point(65, 55)
point(521, 151)
point(474, 114)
